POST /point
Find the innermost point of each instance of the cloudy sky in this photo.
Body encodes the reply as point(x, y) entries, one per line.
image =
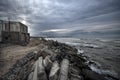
point(64, 17)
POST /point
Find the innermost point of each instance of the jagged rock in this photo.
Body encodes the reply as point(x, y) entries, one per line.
point(47, 64)
point(44, 54)
point(64, 69)
point(35, 75)
point(41, 70)
point(54, 71)
point(74, 70)
point(76, 77)
point(30, 77)
point(24, 71)
point(18, 66)
point(75, 73)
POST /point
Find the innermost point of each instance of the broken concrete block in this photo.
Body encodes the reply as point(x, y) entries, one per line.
point(41, 70)
point(76, 77)
point(35, 76)
point(64, 69)
point(30, 77)
point(74, 70)
point(47, 63)
point(54, 71)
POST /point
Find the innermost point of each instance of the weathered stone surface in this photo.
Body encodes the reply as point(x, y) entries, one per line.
point(47, 63)
point(41, 70)
point(30, 77)
point(54, 71)
point(76, 77)
point(64, 69)
point(35, 74)
point(74, 70)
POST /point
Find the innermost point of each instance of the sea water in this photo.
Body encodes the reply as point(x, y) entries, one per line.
point(105, 53)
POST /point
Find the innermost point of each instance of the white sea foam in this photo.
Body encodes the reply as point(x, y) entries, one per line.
point(103, 71)
point(91, 45)
point(80, 51)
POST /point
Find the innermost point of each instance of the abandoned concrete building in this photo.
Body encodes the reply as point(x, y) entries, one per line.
point(13, 32)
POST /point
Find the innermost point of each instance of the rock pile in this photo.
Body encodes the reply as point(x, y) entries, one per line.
point(57, 62)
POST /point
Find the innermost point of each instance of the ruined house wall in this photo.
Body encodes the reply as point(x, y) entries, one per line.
point(4, 26)
point(15, 27)
point(10, 36)
point(13, 32)
point(15, 37)
point(0, 29)
point(23, 28)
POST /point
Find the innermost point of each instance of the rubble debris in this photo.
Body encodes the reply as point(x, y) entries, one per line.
point(47, 64)
point(41, 74)
point(57, 61)
point(30, 77)
point(64, 69)
point(76, 77)
point(54, 71)
point(35, 76)
point(15, 70)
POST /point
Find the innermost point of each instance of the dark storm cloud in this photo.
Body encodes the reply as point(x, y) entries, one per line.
point(57, 16)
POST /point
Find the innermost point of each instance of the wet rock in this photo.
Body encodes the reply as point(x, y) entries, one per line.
point(91, 75)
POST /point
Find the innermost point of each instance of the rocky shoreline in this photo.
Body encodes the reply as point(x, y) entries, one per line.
point(57, 61)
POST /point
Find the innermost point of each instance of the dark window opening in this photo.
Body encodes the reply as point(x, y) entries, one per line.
point(6, 38)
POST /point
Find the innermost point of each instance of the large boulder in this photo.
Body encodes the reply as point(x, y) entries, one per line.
point(41, 70)
point(47, 64)
point(54, 71)
point(64, 69)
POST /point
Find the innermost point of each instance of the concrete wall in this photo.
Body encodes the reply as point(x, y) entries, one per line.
point(24, 28)
point(0, 32)
point(10, 36)
point(15, 27)
point(12, 26)
point(1, 28)
point(13, 32)
point(24, 37)
point(15, 37)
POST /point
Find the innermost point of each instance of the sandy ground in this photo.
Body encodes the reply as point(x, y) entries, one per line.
point(9, 54)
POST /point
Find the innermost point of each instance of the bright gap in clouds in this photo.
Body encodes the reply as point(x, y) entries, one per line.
point(24, 22)
point(59, 30)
